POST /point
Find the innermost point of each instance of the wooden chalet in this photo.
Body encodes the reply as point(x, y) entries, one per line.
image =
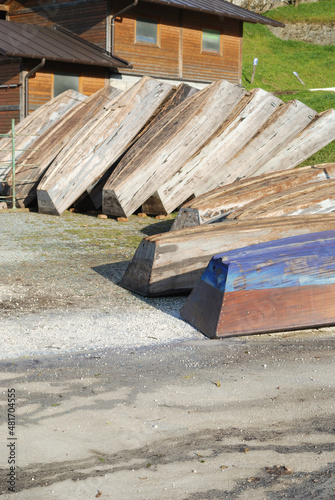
point(197, 41)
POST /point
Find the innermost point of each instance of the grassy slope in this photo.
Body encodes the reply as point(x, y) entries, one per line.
point(277, 59)
point(316, 12)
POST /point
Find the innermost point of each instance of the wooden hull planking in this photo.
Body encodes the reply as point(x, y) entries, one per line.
point(172, 263)
point(179, 134)
point(32, 165)
point(28, 130)
point(283, 285)
point(313, 198)
point(223, 201)
point(98, 145)
point(319, 133)
point(249, 115)
point(178, 95)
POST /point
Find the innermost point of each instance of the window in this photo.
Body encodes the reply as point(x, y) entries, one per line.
point(211, 41)
point(64, 81)
point(146, 31)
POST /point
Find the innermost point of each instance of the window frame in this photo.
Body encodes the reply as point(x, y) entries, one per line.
point(158, 38)
point(211, 52)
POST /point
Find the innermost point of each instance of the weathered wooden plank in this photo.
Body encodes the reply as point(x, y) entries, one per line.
point(285, 123)
point(32, 164)
point(226, 199)
point(278, 285)
point(313, 198)
point(98, 145)
point(173, 262)
point(177, 96)
point(207, 166)
point(184, 130)
point(35, 124)
point(319, 133)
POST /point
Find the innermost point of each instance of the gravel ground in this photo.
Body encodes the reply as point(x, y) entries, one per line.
point(134, 404)
point(59, 286)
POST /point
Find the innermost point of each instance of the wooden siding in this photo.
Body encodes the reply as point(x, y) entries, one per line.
point(9, 74)
point(198, 65)
point(159, 60)
point(91, 79)
point(86, 19)
point(178, 53)
point(40, 88)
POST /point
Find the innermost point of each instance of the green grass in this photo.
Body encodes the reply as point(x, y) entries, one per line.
point(277, 59)
point(317, 12)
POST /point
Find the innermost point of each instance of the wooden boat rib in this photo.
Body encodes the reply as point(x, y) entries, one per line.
point(98, 145)
point(181, 133)
point(171, 263)
point(31, 166)
point(313, 198)
point(28, 130)
point(223, 201)
point(278, 285)
point(209, 162)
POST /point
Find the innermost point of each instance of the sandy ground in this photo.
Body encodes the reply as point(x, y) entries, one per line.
point(117, 398)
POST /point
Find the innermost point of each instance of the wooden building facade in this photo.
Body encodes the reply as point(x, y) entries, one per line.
point(196, 41)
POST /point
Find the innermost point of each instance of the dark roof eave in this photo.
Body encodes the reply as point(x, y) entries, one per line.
point(71, 61)
point(244, 16)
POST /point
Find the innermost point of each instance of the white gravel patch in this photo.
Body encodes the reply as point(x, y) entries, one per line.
point(64, 331)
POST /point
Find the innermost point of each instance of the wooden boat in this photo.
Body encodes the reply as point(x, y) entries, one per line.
point(32, 164)
point(247, 117)
point(280, 285)
point(319, 133)
point(223, 201)
point(172, 262)
point(313, 198)
point(93, 196)
point(28, 130)
point(286, 122)
point(91, 152)
point(257, 138)
point(159, 155)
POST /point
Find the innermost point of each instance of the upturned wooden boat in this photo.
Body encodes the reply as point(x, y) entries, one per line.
point(173, 262)
point(251, 143)
point(177, 95)
point(158, 155)
point(225, 200)
point(280, 285)
point(32, 165)
point(313, 198)
point(99, 144)
point(30, 128)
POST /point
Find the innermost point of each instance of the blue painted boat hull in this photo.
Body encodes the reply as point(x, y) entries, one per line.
point(280, 285)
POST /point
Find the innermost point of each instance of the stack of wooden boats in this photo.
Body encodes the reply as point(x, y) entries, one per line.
point(155, 146)
point(230, 155)
point(269, 265)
